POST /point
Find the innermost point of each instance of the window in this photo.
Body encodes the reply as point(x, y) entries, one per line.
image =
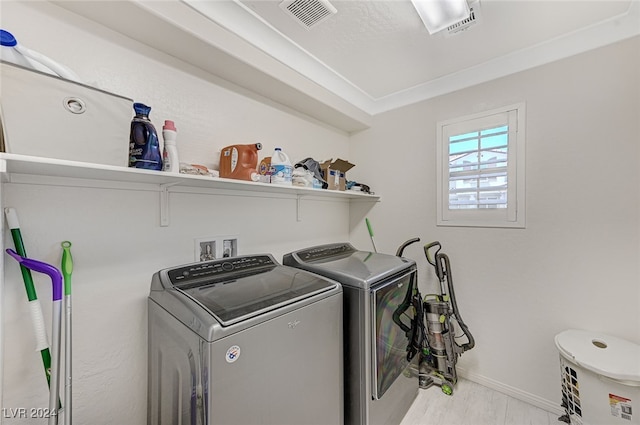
point(480, 169)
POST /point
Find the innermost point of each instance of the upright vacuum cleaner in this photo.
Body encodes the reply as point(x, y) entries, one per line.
point(416, 333)
point(443, 321)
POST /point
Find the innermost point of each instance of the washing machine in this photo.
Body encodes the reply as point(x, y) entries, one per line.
point(244, 340)
point(380, 382)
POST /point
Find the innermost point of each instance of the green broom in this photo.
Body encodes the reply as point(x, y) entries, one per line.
point(37, 317)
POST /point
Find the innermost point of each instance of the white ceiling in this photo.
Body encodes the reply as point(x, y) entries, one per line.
point(372, 55)
point(381, 50)
point(382, 47)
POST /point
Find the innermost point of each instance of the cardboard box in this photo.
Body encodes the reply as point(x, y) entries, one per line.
point(334, 173)
point(46, 116)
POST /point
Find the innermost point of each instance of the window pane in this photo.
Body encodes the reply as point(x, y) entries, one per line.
point(463, 162)
point(493, 159)
point(495, 130)
point(496, 141)
point(477, 200)
point(478, 169)
point(493, 199)
point(463, 145)
point(463, 200)
point(472, 135)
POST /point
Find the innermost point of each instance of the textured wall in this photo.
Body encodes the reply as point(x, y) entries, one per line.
point(117, 241)
point(576, 263)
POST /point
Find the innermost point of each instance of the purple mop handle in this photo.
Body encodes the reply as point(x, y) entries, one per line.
point(56, 281)
point(39, 266)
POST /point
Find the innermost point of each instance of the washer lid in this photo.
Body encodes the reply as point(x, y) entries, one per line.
point(239, 288)
point(606, 355)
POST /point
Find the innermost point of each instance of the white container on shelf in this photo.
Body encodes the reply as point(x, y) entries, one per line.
point(600, 378)
point(170, 160)
point(87, 124)
point(281, 168)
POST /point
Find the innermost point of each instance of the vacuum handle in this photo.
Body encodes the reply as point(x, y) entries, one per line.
point(404, 245)
point(427, 247)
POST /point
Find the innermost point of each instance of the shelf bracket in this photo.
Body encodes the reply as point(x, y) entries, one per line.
point(164, 203)
point(298, 208)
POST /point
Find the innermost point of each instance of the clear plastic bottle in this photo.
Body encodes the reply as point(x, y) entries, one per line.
point(281, 168)
point(170, 161)
point(144, 147)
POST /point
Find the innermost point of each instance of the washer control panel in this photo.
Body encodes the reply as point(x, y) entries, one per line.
point(216, 269)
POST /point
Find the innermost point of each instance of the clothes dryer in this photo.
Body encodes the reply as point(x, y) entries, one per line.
point(379, 383)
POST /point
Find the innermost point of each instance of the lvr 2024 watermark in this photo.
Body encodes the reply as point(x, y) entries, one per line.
point(27, 412)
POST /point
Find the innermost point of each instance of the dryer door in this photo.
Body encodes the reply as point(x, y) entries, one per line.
point(390, 341)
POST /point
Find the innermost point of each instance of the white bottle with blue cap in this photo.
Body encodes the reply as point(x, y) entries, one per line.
point(281, 168)
point(11, 51)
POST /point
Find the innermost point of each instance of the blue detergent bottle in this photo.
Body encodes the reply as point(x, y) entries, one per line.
point(144, 146)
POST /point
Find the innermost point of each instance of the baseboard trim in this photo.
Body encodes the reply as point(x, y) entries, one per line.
point(516, 393)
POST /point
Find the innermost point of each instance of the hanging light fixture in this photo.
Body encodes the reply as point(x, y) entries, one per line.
point(439, 14)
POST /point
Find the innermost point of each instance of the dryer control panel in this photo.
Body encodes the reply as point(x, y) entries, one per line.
point(325, 251)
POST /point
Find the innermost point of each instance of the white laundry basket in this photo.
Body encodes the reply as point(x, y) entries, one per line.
point(600, 378)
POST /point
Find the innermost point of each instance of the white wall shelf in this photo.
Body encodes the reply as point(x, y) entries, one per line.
point(18, 168)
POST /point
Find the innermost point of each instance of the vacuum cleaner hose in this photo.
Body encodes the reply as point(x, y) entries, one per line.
point(447, 268)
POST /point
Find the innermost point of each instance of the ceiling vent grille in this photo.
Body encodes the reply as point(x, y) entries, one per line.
point(474, 18)
point(308, 13)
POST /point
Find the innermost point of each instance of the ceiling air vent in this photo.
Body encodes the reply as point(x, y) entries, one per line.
point(308, 13)
point(474, 18)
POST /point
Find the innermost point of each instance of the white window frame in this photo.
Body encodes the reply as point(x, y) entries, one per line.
point(513, 216)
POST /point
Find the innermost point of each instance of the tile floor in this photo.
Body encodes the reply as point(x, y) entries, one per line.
point(473, 404)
